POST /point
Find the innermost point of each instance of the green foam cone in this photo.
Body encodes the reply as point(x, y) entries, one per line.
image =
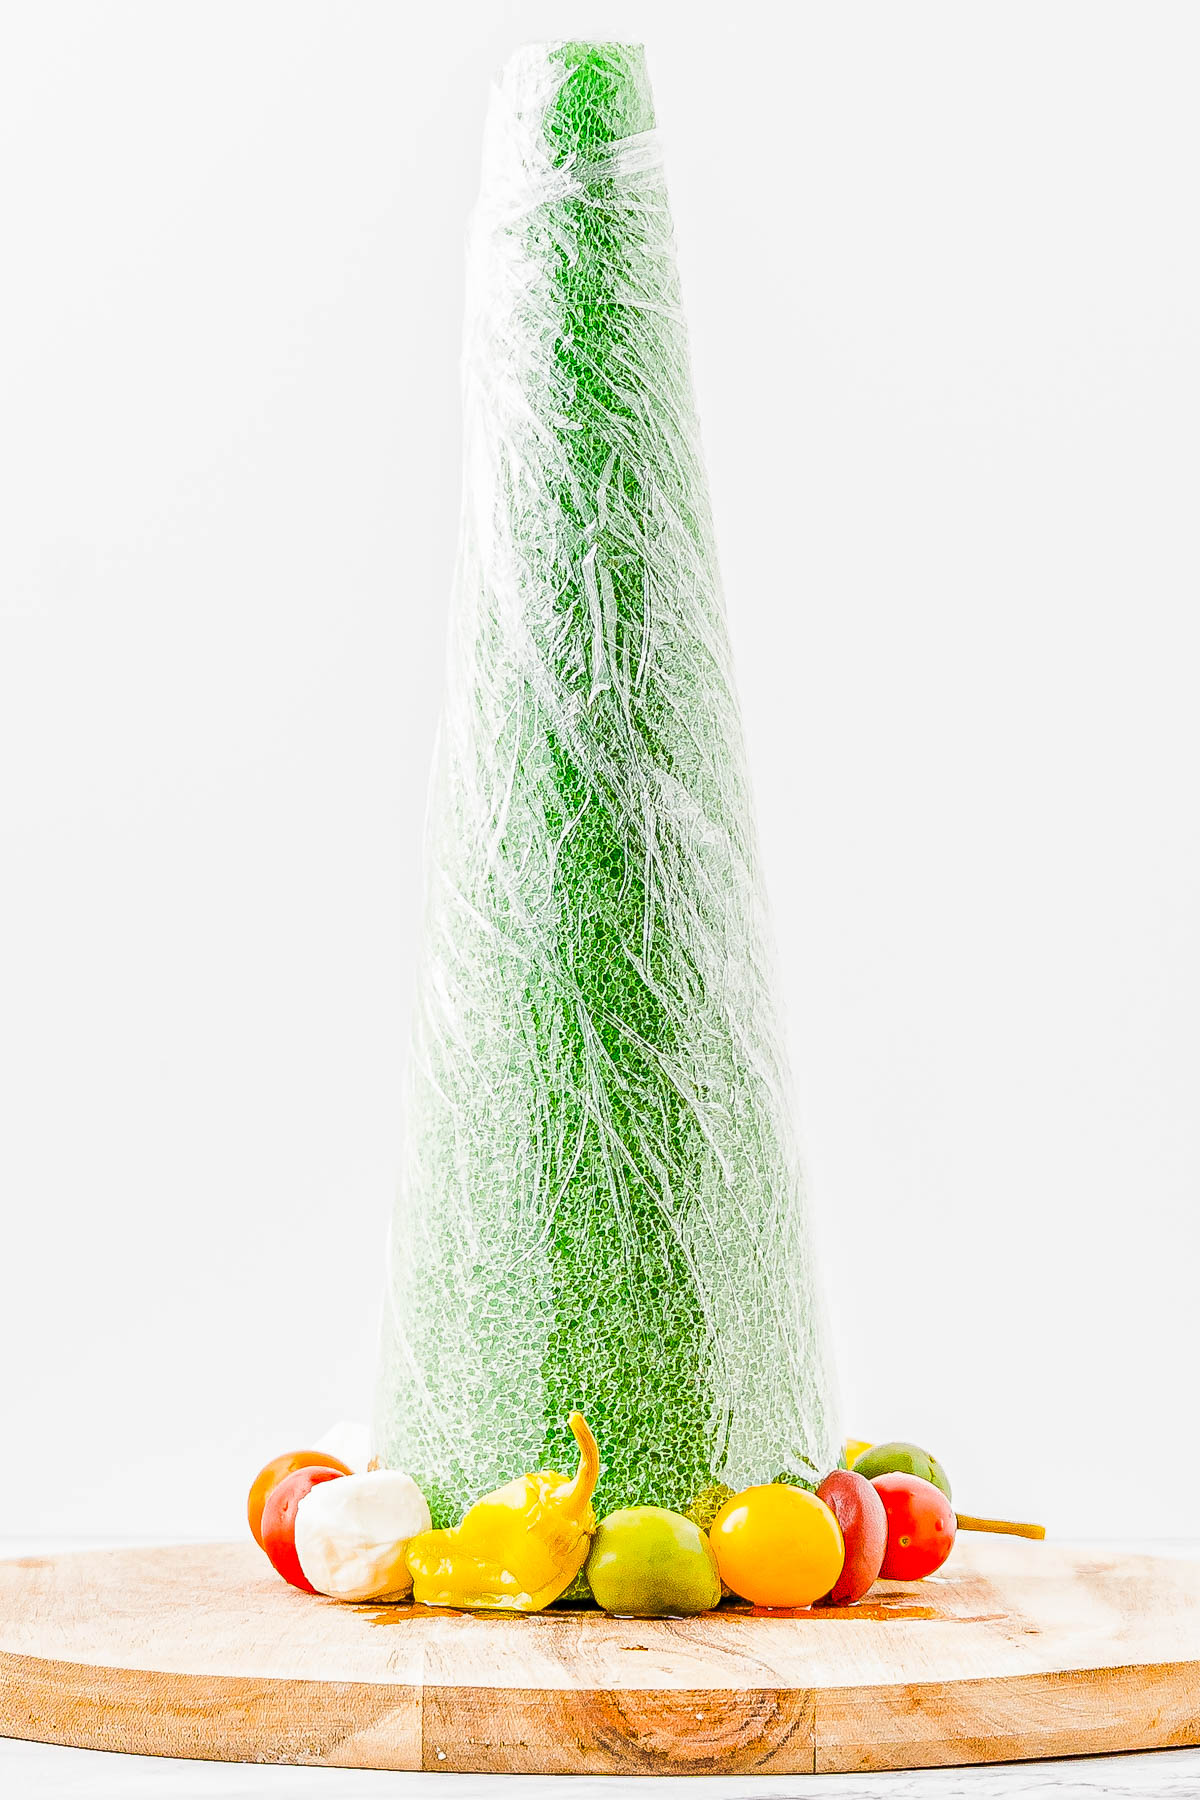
point(601, 1202)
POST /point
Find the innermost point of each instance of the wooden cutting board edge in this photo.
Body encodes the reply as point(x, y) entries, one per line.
point(580, 1731)
point(718, 1729)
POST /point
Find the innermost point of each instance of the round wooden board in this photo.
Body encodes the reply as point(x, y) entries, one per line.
point(1014, 1650)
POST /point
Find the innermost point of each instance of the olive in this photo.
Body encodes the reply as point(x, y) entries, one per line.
point(648, 1563)
point(903, 1459)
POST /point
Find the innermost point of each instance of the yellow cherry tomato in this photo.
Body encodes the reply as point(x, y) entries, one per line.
point(777, 1546)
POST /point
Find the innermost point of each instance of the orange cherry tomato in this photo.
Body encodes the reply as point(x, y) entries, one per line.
point(777, 1546)
point(273, 1474)
point(921, 1526)
point(279, 1522)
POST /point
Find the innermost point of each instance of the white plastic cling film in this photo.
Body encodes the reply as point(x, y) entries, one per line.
point(601, 1203)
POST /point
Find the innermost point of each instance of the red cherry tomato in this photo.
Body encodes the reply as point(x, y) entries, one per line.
point(859, 1511)
point(279, 1522)
point(273, 1473)
point(921, 1526)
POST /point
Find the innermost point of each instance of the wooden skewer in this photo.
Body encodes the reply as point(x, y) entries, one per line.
point(1003, 1527)
point(1006, 1527)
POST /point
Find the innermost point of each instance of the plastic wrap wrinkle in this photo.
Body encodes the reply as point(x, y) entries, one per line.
point(601, 1201)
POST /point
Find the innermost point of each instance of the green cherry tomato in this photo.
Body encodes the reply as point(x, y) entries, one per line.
point(902, 1459)
point(646, 1562)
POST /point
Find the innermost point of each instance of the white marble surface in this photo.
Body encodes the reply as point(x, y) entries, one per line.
point(46, 1772)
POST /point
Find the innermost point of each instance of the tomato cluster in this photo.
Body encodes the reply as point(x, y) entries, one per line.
point(781, 1546)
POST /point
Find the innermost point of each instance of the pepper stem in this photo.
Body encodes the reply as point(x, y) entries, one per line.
point(579, 1490)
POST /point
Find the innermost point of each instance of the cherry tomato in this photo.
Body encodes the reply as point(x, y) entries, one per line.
point(777, 1546)
point(921, 1526)
point(898, 1458)
point(273, 1474)
point(859, 1511)
point(279, 1522)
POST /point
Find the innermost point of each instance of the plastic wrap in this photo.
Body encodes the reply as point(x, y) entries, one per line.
point(601, 1201)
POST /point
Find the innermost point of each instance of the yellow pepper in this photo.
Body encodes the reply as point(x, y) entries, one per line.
point(517, 1549)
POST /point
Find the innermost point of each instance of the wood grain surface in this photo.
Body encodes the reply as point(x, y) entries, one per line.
point(1013, 1650)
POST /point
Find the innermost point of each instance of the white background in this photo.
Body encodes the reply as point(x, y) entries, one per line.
point(942, 272)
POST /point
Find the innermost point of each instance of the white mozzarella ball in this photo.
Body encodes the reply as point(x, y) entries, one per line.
point(351, 1542)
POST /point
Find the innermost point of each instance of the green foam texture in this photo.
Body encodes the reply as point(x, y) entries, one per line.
point(602, 1204)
